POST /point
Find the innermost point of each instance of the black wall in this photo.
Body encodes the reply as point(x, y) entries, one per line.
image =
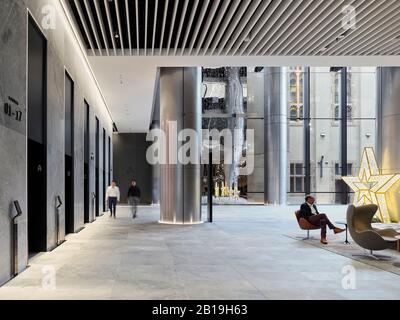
point(130, 163)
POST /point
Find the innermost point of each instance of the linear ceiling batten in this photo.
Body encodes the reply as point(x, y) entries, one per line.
point(163, 26)
point(92, 24)
point(299, 27)
point(336, 31)
point(255, 21)
point(102, 27)
point(222, 29)
point(189, 27)
point(110, 26)
point(154, 27)
point(276, 26)
point(216, 25)
point(323, 16)
point(372, 45)
point(137, 28)
point(247, 21)
point(146, 26)
point(182, 20)
point(119, 27)
point(295, 20)
point(128, 26)
point(242, 9)
point(207, 25)
point(85, 26)
point(171, 31)
point(198, 25)
point(260, 28)
point(373, 23)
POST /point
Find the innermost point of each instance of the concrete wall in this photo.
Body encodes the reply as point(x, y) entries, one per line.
point(130, 163)
point(63, 54)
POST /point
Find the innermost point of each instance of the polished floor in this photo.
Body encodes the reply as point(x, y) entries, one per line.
point(245, 254)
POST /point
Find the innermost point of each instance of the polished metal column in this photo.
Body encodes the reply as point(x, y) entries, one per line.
point(388, 121)
point(180, 108)
point(276, 135)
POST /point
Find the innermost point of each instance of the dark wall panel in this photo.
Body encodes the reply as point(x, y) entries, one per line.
point(130, 163)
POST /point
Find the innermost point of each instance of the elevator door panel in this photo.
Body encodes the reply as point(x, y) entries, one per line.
point(37, 179)
point(69, 155)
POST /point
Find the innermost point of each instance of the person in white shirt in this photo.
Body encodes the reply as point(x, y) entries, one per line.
point(113, 197)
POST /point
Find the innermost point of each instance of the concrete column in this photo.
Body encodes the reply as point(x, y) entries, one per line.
point(388, 122)
point(275, 135)
point(180, 108)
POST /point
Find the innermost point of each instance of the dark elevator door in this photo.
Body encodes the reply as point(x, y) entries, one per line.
point(97, 167)
point(104, 171)
point(69, 155)
point(37, 178)
point(86, 164)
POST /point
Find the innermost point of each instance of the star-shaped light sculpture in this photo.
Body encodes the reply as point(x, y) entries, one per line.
point(370, 186)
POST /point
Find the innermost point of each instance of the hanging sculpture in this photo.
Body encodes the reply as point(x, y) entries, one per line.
point(236, 124)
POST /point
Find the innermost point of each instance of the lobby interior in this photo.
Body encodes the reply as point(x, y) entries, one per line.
point(95, 91)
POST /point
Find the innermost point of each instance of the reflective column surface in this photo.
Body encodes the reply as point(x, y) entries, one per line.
point(180, 108)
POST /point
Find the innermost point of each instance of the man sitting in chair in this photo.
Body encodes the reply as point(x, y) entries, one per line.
point(309, 211)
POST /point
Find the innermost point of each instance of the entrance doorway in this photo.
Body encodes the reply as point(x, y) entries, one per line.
point(37, 157)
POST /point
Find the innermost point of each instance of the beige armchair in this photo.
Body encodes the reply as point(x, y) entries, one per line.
point(359, 224)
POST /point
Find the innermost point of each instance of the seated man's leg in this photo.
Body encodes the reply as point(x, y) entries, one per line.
point(319, 220)
point(328, 222)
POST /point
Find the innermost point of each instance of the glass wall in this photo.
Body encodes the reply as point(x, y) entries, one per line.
point(325, 129)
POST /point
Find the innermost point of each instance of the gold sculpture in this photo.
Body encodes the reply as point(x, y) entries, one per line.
point(370, 186)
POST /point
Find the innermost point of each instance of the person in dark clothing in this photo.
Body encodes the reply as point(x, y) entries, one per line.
point(134, 197)
point(309, 211)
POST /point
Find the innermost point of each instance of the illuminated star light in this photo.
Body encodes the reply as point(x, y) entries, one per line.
point(370, 186)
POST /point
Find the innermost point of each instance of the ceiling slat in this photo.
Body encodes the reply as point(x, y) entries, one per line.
point(252, 27)
point(222, 29)
point(296, 17)
point(337, 30)
point(314, 23)
point(163, 26)
point(232, 26)
point(207, 25)
point(260, 28)
point(198, 24)
point(128, 26)
point(121, 38)
point(146, 28)
point(154, 27)
point(102, 27)
point(182, 20)
point(85, 26)
point(216, 24)
point(171, 31)
point(93, 25)
point(371, 23)
point(245, 21)
point(276, 26)
point(189, 26)
point(137, 28)
point(299, 27)
point(110, 26)
point(372, 45)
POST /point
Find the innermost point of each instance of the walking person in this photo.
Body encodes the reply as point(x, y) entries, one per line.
point(134, 197)
point(113, 197)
